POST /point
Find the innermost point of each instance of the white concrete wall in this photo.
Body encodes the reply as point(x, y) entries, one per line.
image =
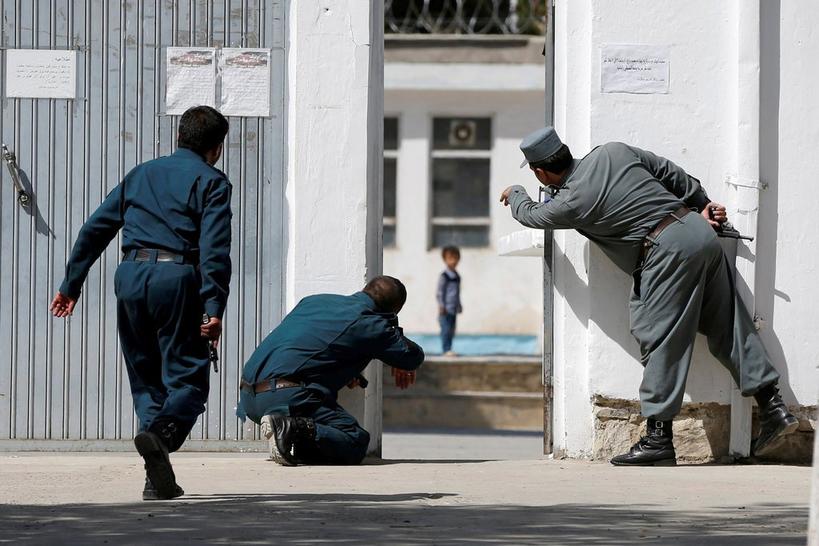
point(696, 125)
point(500, 295)
point(333, 179)
point(789, 236)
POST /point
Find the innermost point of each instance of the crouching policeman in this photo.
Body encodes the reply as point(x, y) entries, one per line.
point(290, 384)
point(175, 215)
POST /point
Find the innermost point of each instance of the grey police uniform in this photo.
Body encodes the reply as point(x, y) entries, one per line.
point(616, 196)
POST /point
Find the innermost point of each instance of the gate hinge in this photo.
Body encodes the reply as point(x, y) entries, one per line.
point(737, 181)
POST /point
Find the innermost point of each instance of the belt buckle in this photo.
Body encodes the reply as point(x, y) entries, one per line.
point(145, 255)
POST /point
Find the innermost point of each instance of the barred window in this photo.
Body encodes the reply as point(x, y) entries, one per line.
point(465, 17)
point(461, 150)
point(390, 177)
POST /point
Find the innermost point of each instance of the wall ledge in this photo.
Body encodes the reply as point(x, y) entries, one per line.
point(526, 242)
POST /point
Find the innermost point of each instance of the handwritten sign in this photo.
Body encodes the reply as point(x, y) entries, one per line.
point(41, 73)
point(191, 78)
point(634, 69)
point(245, 82)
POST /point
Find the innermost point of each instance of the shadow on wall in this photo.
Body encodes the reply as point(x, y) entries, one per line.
point(768, 224)
point(422, 518)
point(32, 209)
point(612, 317)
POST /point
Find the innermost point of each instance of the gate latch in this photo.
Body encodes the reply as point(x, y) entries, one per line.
point(23, 196)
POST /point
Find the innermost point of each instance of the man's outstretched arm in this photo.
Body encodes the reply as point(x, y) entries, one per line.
point(392, 347)
point(532, 214)
point(94, 236)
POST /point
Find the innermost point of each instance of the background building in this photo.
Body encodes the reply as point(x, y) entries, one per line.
point(738, 112)
point(463, 83)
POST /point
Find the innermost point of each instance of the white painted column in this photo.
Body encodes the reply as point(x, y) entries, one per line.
point(745, 195)
point(813, 528)
point(334, 166)
point(572, 420)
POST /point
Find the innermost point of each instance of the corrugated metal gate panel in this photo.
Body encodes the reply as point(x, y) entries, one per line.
point(66, 380)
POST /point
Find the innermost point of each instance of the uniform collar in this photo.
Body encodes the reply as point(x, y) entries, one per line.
point(365, 299)
point(187, 153)
point(570, 172)
point(566, 177)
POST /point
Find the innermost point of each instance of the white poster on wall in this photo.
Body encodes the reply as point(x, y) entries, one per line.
point(634, 68)
point(245, 77)
point(191, 78)
point(41, 73)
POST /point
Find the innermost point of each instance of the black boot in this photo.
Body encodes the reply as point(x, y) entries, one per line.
point(153, 446)
point(656, 448)
point(282, 432)
point(169, 431)
point(150, 493)
point(775, 421)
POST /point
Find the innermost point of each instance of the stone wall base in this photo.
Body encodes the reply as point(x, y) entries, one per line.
point(701, 431)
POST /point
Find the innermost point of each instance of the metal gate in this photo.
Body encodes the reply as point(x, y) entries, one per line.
point(65, 380)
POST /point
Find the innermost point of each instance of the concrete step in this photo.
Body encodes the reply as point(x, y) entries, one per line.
point(502, 393)
point(503, 373)
point(464, 410)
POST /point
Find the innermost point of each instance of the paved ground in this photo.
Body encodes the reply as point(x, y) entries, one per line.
point(243, 499)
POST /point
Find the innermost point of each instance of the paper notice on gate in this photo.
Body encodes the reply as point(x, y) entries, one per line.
point(245, 82)
point(191, 78)
point(634, 69)
point(41, 73)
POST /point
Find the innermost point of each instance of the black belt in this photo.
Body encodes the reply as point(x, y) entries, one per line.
point(154, 255)
point(648, 242)
point(269, 385)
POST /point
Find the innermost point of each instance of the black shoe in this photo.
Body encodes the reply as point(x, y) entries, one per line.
point(157, 463)
point(150, 493)
point(775, 422)
point(283, 432)
point(656, 448)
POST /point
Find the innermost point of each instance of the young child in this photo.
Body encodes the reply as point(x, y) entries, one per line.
point(449, 297)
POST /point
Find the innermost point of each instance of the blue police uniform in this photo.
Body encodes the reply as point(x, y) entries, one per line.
point(175, 217)
point(324, 343)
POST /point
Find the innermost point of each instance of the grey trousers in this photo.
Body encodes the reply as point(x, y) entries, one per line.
point(685, 286)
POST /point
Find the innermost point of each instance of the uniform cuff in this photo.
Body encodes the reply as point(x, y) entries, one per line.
point(518, 192)
point(699, 200)
point(67, 289)
point(214, 309)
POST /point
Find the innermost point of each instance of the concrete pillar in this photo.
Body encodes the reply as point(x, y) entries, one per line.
point(572, 409)
point(813, 529)
point(334, 161)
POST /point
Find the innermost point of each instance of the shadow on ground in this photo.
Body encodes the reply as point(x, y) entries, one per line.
point(408, 518)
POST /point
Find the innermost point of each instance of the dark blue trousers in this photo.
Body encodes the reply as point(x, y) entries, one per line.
point(339, 437)
point(159, 312)
point(447, 323)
